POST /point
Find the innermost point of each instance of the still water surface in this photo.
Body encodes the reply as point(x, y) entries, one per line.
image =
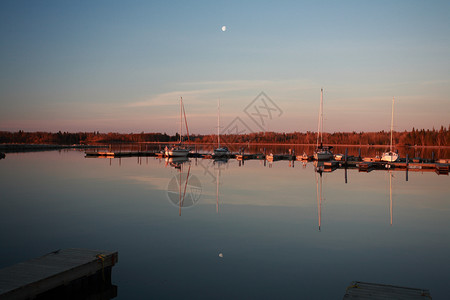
point(259, 238)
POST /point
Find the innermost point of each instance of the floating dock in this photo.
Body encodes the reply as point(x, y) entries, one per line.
point(363, 290)
point(47, 276)
point(365, 164)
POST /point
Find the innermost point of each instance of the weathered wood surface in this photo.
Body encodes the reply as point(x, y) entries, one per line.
point(30, 278)
point(373, 291)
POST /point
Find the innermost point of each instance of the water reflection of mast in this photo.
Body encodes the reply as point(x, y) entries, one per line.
point(217, 190)
point(219, 162)
point(185, 186)
point(178, 163)
point(319, 197)
point(390, 194)
point(179, 193)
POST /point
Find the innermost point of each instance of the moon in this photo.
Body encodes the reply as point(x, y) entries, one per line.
point(224, 28)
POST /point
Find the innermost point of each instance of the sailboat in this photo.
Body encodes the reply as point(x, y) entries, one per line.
point(390, 156)
point(322, 152)
point(179, 150)
point(219, 151)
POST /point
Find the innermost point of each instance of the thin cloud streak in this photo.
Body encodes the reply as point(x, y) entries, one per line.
point(221, 89)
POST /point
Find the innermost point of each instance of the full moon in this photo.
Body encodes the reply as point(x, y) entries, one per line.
point(224, 28)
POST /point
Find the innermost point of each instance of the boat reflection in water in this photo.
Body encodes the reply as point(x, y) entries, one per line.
point(176, 162)
point(319, 170)
point(319, 192)
point(184, 189)
point(219, 164)
point(391, 207)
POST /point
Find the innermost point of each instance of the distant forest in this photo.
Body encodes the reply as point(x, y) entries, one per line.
point(419, 137)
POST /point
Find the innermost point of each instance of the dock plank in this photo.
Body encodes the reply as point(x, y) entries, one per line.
point(28, 279)
point(374, 291)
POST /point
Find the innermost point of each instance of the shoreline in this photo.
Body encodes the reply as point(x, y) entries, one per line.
point(17, 146)
point(42, 147)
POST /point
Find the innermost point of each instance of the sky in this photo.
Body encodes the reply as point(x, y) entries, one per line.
point(122, 66)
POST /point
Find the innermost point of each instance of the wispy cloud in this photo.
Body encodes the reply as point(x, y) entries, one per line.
point(207, 90)
point(165, 99)
point(158, 183)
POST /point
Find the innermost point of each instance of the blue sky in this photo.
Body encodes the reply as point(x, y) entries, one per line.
point(123, 65)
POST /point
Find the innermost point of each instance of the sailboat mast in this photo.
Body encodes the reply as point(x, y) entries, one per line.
point(392, 121)
point(181, 118)
point(218, 123)
point(318, 125)
point(321, 116)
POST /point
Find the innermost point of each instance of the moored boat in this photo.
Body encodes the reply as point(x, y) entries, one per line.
point(322, 152)
point(390, 156)
point(220, 151)
point(179, 150)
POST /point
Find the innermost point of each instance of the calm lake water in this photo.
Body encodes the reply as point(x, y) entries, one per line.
point(258, 239)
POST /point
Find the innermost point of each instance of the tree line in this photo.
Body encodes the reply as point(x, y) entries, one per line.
point(419, 137)
point(68, 138)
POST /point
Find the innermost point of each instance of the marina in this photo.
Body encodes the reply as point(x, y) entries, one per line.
point(364, 164)
point(218, 220)
point(226, 150)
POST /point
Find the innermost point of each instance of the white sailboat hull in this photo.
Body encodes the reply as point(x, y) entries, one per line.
point(389, 156)
point(177, 152)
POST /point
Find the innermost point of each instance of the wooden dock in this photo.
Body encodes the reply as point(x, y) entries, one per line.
point(42, 275)
point(363, 290)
